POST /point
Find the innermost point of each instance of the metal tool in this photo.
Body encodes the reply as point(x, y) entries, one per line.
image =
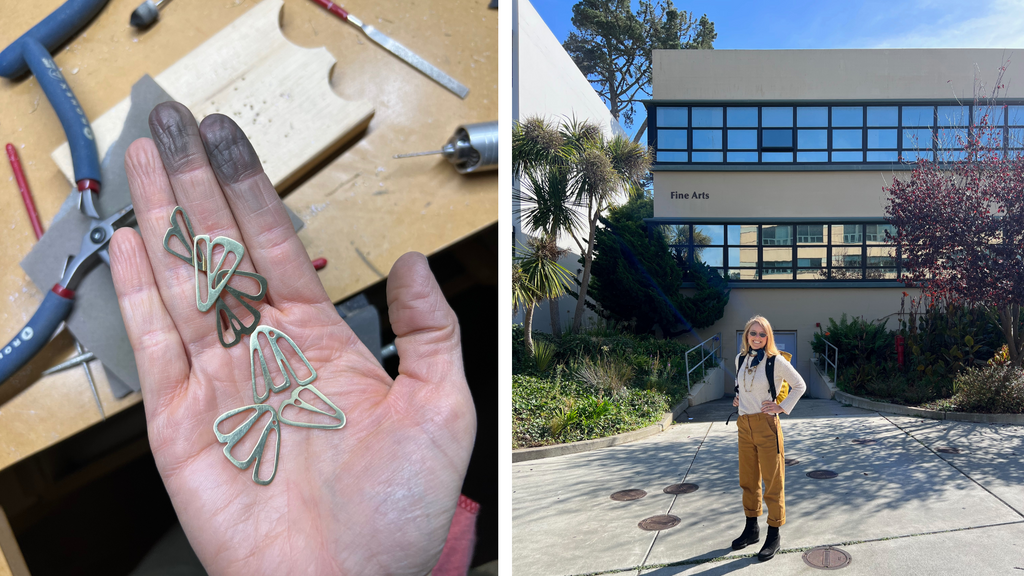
point(147, 13)
point(57, 304)
point(473, 148)
point(32, 52)
point(397, 49)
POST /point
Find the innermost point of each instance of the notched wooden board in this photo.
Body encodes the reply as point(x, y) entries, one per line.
point(277, 92)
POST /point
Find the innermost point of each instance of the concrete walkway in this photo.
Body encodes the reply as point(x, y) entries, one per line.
point(897, 506)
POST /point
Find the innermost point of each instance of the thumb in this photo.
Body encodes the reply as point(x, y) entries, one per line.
point(426, 330)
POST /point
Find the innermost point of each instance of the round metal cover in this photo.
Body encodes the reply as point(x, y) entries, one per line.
point(660, 522)
point(946, 450)
point(822, 474)
point(627, 495)
point(684, 488)
point(791, 462)
point(827, 558)
point(864, 441)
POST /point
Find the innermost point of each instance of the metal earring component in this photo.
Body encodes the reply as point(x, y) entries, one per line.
point(273, 335)
point(175, 231)
point(239, 329)
point(303, 405)
point(232, 438)
point(215, 282)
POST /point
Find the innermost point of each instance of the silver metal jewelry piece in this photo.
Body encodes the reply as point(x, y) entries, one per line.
point(232, 438)
point(303, 405)
point(215, 281)
point(273, 335)
point(238, 328)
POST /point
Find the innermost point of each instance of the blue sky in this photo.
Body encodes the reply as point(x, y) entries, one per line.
point(796, 24)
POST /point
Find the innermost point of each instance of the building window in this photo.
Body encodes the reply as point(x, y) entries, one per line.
point(815, 252)
point(825, 134)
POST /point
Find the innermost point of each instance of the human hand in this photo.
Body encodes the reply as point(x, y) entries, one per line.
point(769, 407)
point(376, 496)
point(736, 401)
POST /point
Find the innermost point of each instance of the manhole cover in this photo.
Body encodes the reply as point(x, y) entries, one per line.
point(792, 462)
point(948, 450)
point(864, 441)
point(822, 474)
point(684, 488)
point(826, 558)
point(660, 522)
point(627, 495)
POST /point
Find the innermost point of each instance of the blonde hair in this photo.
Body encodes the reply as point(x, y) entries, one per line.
point(769, 345)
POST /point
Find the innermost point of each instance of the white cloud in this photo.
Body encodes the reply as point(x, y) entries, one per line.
point(995, 24)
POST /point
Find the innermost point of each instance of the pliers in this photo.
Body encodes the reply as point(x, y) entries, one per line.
point(57, 304)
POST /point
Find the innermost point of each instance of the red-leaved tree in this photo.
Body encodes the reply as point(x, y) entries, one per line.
point(960, 224)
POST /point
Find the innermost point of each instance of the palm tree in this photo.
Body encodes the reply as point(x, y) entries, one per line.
point(537, 275)
point(569, 176)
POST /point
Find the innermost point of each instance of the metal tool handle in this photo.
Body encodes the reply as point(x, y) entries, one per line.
point(332, 7)
point(31, 339)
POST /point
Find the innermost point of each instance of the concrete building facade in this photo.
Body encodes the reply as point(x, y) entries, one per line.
point(771, 167)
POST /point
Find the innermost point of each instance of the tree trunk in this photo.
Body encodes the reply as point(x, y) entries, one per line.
point(640, 132)
point(1009, 322)
point(577, 320)
point(528, 330)
point(556, 322)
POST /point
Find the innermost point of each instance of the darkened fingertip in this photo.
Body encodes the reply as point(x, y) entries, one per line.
point(231, 154)
point(175, 134)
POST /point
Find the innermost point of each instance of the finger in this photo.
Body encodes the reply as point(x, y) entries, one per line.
point(426, 329)
point(153, 200)
point(159, 353)
point(266, 229)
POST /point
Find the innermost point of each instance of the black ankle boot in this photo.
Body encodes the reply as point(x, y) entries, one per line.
point(771, 545)
point(751, 535)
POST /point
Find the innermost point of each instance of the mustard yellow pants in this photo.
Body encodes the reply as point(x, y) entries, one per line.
point(762, 458)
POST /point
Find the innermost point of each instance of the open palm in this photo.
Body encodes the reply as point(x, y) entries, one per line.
point(376, 496)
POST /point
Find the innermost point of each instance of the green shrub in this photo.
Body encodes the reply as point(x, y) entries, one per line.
point(554, 411)
point(995, 389)
point(543, 353)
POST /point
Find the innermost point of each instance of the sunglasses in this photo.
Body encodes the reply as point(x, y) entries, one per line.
point(758, 334)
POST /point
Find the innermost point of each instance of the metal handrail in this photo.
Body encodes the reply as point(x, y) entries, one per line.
point(715, 353)
point(834, 363)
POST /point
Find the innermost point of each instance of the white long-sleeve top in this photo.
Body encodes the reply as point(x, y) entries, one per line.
point(750, 402)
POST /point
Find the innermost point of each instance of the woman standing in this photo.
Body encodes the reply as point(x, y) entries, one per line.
point(762, 455)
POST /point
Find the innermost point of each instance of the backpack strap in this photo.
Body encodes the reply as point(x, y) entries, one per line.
point(769, 371)
point(739, 365)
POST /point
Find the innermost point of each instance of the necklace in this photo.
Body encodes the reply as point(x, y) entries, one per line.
point(749, 371)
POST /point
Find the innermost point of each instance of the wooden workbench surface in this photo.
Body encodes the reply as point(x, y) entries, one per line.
point(362, 209)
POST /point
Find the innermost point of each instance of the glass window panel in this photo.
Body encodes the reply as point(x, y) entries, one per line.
point(707, 157)
point(707, 117)
point(995, 154)
point(917, 138)
point(888, 156)
point(881, 274)
point(672, 139)
point(846, 234)
point(882, 256)
point(776, 139)
point(846, 256)
point(1015, 115)
point(672, 156)
point(742, 257)
point(847, 139)
point(847, 116)
point(810, 234)
point(811, 257)
point(777, 270)
point(952, 137)
point(846, 274)
point(918, 116)
point(745, 274)
point(777, 117)
point(883, 115)
point(953, 116)
point(707, 140)
point(812, 116)
point(875, 233)
point(743, 140)
point(742, 156)
point(671, 117)
point(680, 254)
point(710, 256)
point(847, 156)
point(989, 116)
point(743, 235)
point(782, 255)
point(811, 274)
point(951, 155)
point(1016, 137)
point(742, 117)
point(915, 155)
point(776, 157)
point(707, 234)
point(777, 235)
point(991, 137)
point(881, 138)
point(675, 234)
point(812, 139)
point(812, 156)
